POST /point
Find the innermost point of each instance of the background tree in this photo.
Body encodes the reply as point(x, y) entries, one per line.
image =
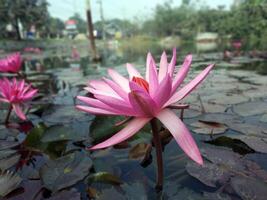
point(27, 12)
point(81, 23)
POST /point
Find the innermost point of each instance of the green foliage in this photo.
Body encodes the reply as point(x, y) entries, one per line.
point(245, 21)
point(28, 12)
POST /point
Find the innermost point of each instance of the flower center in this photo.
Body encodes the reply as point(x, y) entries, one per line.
point(141, 82)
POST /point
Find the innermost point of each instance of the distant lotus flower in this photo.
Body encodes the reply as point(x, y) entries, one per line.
point(16, 93)
point(11, 63)
point(145, 99)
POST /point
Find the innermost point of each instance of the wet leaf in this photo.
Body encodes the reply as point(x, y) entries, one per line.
point(248, 129)
point(235, 144)
point(104, 177)
point(57, 133)
point(64, 114)
point(135, 190)
point(8, 162)
point(111, 193)
point(30, 190)
point(103, 127)
point(66, 194)
point(251, 108)
point(65, 171)
point(209, 174)
point(217, 196)
point(33, 139)
point(249, 188)
point(255, 143)
point(34, 142)
point(223, 166)
point(209, 127)
point(4, 144)
point(8, 182)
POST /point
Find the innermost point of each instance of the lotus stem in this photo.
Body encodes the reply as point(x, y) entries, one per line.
point(8, 114)
point(158, 147)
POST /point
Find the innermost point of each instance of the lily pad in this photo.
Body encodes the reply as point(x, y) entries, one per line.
point(209, 127)
point(256, 143)
point(224, 165)
point(64, 115)
point(66, 194)
point(209, 174)
point(248, 129)
point(65, 171)
point(104, 177)
point(58, 133)
point(103, 127)
point(249, 188)
point(8, 182)
point(8, 162)
point(251, 108)
point(4, 144)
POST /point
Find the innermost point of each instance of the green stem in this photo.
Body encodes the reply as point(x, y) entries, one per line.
point(158, 147)
point(8, 114)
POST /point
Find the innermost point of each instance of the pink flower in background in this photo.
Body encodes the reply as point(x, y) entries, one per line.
point(237, 44)
point(11, 63)
point(145, 98)
point(17, 93)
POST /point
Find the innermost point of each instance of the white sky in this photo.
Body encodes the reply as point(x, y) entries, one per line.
point(123, 9)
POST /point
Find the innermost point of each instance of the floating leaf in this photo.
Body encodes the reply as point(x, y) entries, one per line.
point(224, 165)
point(248, 129)
point(66, 194)
point(33, 139)
point(103, 127)
point(57, 133)
point(236, 145)
point(8, 182)
point(104, 177)
point(251, 108)
point(209, 127)
point(64, 115)
point(65, 171)
point(8, 162)
point(209, 174)
point(30, 191)
point(255, 143)
point(4, 144)
point(249, 188)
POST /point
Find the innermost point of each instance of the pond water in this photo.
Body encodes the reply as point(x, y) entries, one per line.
point(227, 116)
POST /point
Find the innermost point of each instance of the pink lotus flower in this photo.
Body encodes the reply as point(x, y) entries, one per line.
point(11, 63)
point(17, 93)
point(145, 98)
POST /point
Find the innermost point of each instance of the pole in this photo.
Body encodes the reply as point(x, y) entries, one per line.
point(102, 20)
point(90, 30)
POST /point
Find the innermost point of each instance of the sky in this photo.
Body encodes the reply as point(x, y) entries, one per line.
point(122, 9)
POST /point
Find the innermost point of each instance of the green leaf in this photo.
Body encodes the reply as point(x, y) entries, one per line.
point(104, 177)
point(57, 133)
point(65, 171)
point(103, 127)
point(33, 139)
